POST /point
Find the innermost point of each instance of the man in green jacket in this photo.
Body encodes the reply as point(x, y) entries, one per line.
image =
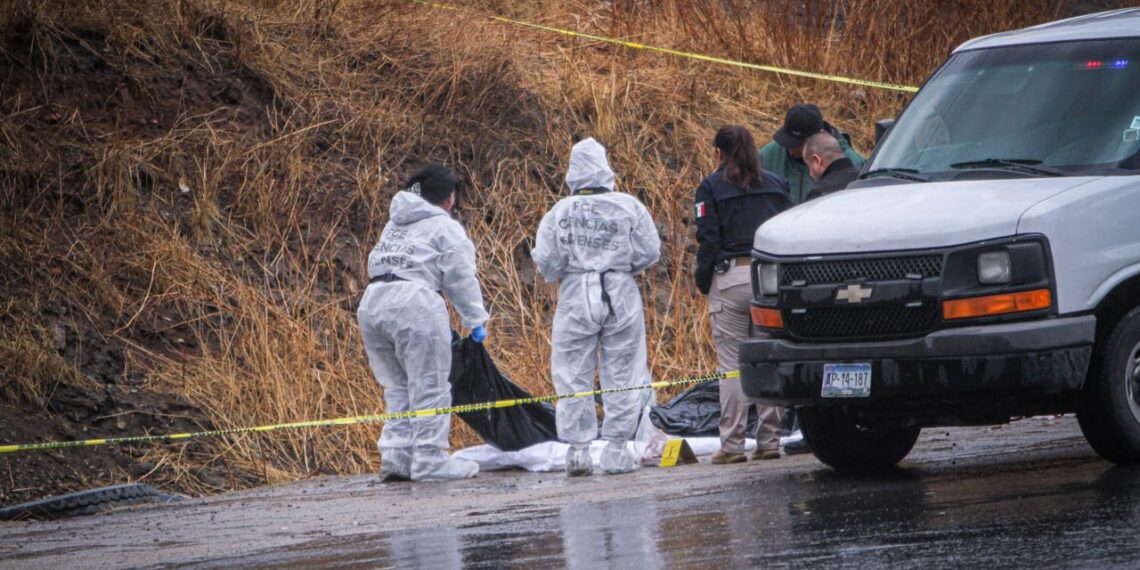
point(784, 156)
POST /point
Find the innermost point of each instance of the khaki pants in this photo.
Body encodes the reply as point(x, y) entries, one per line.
point(729, 300)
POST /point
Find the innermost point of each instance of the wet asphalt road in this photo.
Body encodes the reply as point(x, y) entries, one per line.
point(1028, 495)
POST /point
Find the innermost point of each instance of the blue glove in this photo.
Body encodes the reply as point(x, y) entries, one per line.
point(479, 334)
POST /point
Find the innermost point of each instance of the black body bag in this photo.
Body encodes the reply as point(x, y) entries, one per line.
point(475, 379)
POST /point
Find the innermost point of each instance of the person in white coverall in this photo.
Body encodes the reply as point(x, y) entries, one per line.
point(405, 324)
point(594, 242)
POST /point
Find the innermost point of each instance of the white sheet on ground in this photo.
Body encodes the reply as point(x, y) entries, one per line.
point(551, 455)
point(548, 456)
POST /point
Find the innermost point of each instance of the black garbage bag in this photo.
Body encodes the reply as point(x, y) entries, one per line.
point(695, 413)
point(475, 379)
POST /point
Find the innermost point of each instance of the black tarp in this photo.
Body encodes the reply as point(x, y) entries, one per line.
point(475, 379)
point(694, 412)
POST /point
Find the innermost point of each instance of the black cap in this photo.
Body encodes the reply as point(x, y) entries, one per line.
point(801, 122)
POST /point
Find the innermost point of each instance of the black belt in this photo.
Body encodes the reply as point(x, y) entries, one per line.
point(724, 265)
point(386, 278)
point(606, 294)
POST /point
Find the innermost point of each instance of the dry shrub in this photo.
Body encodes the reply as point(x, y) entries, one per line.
point(200, 181)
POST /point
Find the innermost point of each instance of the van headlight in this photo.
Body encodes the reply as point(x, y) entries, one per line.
point(769, 278)
point(994, 268)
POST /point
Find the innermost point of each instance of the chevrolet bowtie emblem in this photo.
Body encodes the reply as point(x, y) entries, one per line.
point(854, 293)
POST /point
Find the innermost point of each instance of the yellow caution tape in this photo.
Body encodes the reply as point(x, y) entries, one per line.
point(688, 55)
point(355, 420)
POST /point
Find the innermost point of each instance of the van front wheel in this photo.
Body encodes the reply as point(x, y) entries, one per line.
point(1109, 413)
point(839, 440)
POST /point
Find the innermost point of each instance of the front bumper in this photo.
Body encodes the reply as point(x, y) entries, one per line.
point(983, 363)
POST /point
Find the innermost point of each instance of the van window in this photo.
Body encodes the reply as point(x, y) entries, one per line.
point(1071, 108)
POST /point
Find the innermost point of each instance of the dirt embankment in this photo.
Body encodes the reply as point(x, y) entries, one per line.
point(73, 367)
point(188, 192)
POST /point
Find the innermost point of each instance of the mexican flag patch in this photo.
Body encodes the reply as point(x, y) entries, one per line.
point(700, 209)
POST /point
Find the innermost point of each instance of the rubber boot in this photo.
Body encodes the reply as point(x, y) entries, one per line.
point(433, 464)
point(395, 464)
point(616, 458)
point(578, 460)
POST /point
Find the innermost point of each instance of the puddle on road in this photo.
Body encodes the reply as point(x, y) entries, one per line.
point(1074, 513)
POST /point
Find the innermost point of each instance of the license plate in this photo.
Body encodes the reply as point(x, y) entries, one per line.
point(846, 380)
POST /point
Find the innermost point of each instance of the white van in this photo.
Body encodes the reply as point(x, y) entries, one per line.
point(986, 264)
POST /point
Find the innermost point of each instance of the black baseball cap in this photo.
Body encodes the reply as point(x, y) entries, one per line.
point(801, 122)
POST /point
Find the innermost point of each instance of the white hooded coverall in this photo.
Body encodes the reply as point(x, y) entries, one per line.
point(594, 242)
point(407, 333)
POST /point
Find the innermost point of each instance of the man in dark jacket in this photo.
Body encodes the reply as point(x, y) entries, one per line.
point(784, 156)
point(828, 167)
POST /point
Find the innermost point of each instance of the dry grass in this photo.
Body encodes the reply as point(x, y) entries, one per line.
point(200, 181)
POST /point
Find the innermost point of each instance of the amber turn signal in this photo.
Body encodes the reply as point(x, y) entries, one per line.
point(767, 318)
point(995, 304)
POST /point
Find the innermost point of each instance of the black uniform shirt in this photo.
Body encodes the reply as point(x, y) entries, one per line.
point(727, 218)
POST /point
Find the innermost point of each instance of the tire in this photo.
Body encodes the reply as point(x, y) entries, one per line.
point(1109, 409)
point(839, 441)
point(83, 502)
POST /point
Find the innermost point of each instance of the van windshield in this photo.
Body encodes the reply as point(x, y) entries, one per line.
point(1058, 109)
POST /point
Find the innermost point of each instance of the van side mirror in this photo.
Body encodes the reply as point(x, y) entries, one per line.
point(881, 128)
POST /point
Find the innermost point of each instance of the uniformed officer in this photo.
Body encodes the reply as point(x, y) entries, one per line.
point(731, 203)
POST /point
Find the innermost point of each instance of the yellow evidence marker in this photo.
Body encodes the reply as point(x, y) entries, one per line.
point(677, 452)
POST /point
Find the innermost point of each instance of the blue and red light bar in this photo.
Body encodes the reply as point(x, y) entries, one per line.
point(1106, 64)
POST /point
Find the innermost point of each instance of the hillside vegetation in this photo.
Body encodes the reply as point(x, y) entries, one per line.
point(189, 189)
